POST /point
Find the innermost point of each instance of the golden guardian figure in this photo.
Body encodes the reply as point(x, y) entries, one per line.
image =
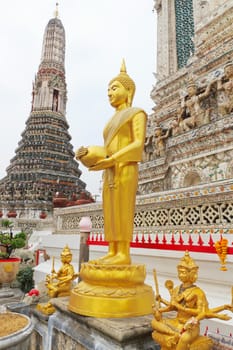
point(59, 283)
point(190, 304)
point(124, 137)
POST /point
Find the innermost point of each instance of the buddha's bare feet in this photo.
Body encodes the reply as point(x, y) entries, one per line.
point(102, 259)
point(93, 262)
point(107, 256)
point(118, 259)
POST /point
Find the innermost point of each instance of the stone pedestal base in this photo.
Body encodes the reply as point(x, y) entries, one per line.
point(73, 331)
point(112, 291)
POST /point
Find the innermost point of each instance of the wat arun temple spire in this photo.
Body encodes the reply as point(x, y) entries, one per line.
point(44, 163)
point(49, 88)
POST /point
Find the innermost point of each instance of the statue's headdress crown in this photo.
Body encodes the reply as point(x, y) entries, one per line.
point(191, 81)
point(125, 79)
point(187, 262)
point(66, 251)
point(157, 127)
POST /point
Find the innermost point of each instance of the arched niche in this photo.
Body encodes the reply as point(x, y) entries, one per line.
point(192, 178)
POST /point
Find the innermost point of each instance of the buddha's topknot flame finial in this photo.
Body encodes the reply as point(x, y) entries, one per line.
point(123, 67)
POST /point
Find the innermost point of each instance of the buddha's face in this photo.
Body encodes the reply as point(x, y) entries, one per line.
point(117, 94)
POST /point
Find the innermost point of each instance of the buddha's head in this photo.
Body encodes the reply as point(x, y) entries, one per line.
point(187, 269)
point(121, 89)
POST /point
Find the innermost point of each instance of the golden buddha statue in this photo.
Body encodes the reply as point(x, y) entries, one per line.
point(191, 305)
point(124, 137)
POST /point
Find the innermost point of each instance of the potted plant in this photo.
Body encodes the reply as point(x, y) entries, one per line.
point(8, 241)
point(9, 265)
point(25, 279)
point(43, 215)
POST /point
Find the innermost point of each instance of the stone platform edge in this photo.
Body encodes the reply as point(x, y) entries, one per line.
point(118, 329)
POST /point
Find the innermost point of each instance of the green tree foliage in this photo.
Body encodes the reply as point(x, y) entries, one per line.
point(8, 241)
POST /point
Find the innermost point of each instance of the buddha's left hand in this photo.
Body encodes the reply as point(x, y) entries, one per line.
point(103, 164)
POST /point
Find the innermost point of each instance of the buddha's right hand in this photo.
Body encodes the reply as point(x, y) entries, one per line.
point(82, 151)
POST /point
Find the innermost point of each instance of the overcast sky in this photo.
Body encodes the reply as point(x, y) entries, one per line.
point(98, 35)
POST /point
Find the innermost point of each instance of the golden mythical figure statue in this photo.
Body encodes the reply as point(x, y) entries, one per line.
point(111, 286)
point(124, 137)
point(191, 305)
point(59, 283)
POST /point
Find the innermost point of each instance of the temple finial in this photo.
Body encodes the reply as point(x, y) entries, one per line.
point(56, 11)
point(123, 67)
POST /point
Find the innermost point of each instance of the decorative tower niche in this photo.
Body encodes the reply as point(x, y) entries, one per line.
point(175, 32)
point(44, 165)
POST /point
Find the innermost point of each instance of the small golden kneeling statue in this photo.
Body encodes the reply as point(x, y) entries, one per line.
point(59, 283)
point(191, 305)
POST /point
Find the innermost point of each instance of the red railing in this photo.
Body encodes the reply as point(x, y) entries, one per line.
point(167, 242)
point(216, 331)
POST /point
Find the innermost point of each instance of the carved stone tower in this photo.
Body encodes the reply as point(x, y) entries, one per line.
point(44, 161)
point(189, 138)
point(187, 172)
